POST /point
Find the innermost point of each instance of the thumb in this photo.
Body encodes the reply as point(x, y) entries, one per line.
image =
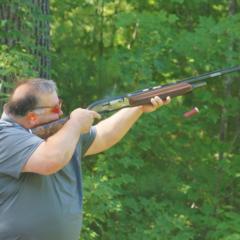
point(96, 115)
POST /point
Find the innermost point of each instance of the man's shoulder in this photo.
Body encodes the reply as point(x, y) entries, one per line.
point(10, 131)
point(4, 123)
point(8, 127)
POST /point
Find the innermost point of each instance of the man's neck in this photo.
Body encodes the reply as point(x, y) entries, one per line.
point(19, 120)
point(22, 122)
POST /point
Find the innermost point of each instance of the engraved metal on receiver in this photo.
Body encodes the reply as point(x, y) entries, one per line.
point(110, 105)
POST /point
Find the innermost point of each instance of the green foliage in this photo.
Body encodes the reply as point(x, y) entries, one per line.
point(171, 177)
point(18, 58)
point(15, 63)
point(24, 38)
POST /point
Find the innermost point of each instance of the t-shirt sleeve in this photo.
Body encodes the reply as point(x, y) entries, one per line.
point(16, 147)
point(87, 139)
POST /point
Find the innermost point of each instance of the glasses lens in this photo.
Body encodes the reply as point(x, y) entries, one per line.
point(57, 108)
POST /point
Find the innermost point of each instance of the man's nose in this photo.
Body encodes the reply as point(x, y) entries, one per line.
point(60, 113)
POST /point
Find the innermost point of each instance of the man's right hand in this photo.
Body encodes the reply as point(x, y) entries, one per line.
point(83, 119)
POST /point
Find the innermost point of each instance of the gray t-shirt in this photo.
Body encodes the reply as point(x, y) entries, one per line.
point(33, 206)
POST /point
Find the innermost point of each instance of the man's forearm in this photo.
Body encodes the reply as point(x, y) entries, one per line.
point(111, 130)
point(115, 127)
point(53, 154)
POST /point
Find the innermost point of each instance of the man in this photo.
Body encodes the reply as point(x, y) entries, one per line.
point(40, 180)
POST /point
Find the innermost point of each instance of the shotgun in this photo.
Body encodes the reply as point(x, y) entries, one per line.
point(137, 98)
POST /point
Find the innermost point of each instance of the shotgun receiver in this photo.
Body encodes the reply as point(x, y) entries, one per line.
point(137, 98)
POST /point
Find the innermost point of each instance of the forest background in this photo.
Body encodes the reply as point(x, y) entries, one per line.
point(171, 177)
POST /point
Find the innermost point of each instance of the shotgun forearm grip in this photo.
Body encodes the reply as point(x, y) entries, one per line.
point(144, 97)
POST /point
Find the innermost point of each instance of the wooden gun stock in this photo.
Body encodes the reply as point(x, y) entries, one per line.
point(47, 130)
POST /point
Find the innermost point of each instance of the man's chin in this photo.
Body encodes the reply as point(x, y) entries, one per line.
point(47, 121)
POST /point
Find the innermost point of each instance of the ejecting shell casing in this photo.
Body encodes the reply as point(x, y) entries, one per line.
point(189, 114)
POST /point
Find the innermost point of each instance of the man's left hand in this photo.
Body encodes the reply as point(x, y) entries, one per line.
point(157, 102)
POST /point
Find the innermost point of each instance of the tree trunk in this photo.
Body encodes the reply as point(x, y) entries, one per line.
point(233, 9)
point(15, 20)
point(25, 30)
point(228, 89)
point(42, 37)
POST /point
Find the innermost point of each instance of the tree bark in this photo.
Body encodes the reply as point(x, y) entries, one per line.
point(15, 29)
point(42, 37)
point(232, 6)
point(25, 28)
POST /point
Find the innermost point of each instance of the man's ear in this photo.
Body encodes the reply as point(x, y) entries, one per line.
point(32, 117)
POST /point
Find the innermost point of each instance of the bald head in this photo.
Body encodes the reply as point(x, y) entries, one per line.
point(20, 92)
point(25, 96)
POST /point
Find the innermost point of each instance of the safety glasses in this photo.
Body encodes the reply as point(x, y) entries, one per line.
point(53, 109)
